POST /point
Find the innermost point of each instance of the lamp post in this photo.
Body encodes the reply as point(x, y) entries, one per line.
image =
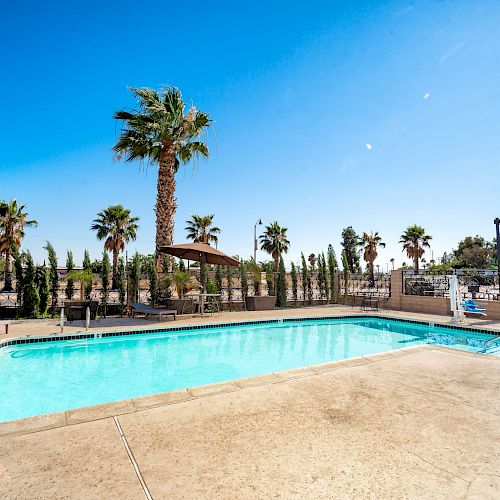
point(258, 223)
point(497, 225)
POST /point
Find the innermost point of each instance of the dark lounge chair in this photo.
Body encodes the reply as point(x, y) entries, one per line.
point(152, 311)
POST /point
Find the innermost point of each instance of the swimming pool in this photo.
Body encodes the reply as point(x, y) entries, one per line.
point(61, 375)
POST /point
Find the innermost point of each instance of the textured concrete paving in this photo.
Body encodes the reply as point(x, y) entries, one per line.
point(421, 423)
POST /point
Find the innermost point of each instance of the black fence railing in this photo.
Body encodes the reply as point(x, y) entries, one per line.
point(474, 283)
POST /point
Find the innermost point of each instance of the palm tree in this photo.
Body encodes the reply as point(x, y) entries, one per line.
point(392, 262)
point(13, 221)
point(118, 227)
point(312, 261)
point(273, 241)
point(371, 242)
point(200, 230)
point(414, 240)
point(161, 133)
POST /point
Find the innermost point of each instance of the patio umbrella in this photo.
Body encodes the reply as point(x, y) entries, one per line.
point(200, 252)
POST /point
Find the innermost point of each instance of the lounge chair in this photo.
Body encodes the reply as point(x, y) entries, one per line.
point(471, 307)
point(152, 311)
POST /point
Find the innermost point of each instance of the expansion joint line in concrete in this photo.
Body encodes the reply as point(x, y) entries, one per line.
point(132, 459)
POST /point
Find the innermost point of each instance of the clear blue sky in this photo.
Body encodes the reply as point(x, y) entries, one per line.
point(296, 89)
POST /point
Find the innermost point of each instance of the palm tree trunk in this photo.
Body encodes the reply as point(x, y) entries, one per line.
point(372, 274)
point(114, 281)
point(165, 201)
point(416, 264)
point(8, 272)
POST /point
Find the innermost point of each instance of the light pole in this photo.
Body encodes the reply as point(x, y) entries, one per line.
point(497, 224)
point(258, 223)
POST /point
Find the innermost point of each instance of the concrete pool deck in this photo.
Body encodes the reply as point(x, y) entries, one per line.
point(418, 422)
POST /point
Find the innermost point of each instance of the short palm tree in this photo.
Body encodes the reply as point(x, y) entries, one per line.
point(200, 230)
point(13, 221)
point(161, 133)
point(117, 226)
point(414, 240)
point(274, 241)
point(371, 242)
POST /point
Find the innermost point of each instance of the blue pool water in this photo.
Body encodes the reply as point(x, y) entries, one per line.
point(54, 376)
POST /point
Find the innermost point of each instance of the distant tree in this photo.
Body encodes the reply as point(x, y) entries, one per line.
point(274, 241)
point(350, 243)
point(53, 277)
point(203, 275)
point(70, 284)
point(293, 276)
point(332, 271)
point(392, 262)
point(281, 285)
point(120, 282)
point(42, 286)
point(117, 226)
point(13, 221)
point(31, 297)
point(474, 252)
point(306, 279)
point(87, 269)
point(161, 133)
point(371, 242)
point(200, 229)
point(414, 241)
point(105, 271)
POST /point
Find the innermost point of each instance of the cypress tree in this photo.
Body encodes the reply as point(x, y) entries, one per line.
point(87, 269)
point(19, 273)
point(105, 271)
point(321, 278)
point(229, 277)
point(31, 298)
point(243, 281)
point(332, 271)
point(153, 280)
point(120, 282)
point(281, 285)
point(345, 265)
point(135, 277)
point(53, 277)
point(325, 276)
point(42, 286)
point(70, 284)
point(218, 279)
point(293, 275)
point(305, 277)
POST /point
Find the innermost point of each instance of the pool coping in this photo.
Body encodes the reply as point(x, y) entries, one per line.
point(55, 337)
point(102, 411)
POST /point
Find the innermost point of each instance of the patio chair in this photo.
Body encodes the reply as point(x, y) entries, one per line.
point(148, 311)
point(471, 307)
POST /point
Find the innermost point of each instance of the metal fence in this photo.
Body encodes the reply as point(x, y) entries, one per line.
point(360, 285)
point(475, 284)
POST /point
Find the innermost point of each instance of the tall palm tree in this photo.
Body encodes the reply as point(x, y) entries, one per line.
point(200, 230)
point(371, 242)
point(161, 133)
point(414, 240)
point(118, 227)
point(13, 221)
point(274, 241)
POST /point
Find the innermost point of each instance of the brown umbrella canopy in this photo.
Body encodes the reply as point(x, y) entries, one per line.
point(200, 252)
